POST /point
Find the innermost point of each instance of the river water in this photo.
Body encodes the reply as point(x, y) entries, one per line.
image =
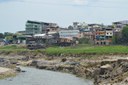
point(34, 76)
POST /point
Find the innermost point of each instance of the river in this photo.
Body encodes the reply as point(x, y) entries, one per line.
point(34, 76)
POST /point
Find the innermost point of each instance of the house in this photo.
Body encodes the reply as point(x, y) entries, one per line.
point(104, 36)
point(100, 37)
point(118, 26)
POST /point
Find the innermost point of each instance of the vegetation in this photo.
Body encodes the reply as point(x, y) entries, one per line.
point(13, 49)
point(121, 37)
point(80, 49)
point(88, 50)
point(7, 74)
point(83, 40)
point(125, 34)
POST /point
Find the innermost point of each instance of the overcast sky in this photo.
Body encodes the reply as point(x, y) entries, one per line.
point(15, 13)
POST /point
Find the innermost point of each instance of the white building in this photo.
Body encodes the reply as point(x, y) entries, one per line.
point(69, 33)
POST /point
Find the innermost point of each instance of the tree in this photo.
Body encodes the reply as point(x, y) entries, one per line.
point(84, 40)
point(125, 34)
point(1, 35)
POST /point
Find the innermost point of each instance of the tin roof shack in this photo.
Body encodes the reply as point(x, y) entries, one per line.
point(21, 39)
point(39, 41)
point(35, 43)
point(66, 42)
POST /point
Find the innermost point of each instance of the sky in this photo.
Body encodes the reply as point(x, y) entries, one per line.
point(15, 13)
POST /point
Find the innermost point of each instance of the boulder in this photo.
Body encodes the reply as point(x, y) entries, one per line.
point(18, 69)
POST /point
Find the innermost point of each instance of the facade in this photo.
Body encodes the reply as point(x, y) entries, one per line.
point(69, 33)
point(104, 36)
point(98, 34)
point(33, 27)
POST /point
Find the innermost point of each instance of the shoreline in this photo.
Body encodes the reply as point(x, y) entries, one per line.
point(6, 72)
point(88, 67)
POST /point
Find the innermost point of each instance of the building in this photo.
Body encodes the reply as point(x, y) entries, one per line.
point(104, 36)
point(21, 32)
point(69, 33)
point(118, 26)
point(34, 27)
point(100, 37)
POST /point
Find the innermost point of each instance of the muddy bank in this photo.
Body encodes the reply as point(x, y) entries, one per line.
point(102, 69)
point(6, 72)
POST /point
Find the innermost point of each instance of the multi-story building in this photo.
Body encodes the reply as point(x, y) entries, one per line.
point(104, 36)
point(100, 37)
point(34, 27)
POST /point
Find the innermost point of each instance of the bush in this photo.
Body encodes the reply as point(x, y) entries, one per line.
point(84, 41)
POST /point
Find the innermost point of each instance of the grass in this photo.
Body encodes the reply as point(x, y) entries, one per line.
point(80, 49)
point(88, 50)
point(12, 47)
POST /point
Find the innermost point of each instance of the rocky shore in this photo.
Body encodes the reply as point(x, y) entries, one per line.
point(103, 70)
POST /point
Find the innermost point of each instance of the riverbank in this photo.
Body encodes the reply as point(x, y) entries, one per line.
point(107, 68)
point(6, 72)
point(102, 71)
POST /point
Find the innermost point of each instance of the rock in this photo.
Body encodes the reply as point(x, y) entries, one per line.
point(18, 69)
point(13, 62)
point(42, 64)
point(107, 66)
point(25, 58)
point(64, 60)
point(18, 64)
point(34, 63)
point(23, 71)
point(2, 60)
point(72, 63)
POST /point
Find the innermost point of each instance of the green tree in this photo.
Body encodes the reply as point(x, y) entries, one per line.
point(1, 35)
point(125, 34)
point(84, 40)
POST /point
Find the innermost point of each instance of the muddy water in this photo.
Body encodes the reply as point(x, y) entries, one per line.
point(34, 76)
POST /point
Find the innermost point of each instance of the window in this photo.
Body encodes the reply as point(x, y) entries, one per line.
point(36, 29)
point(36, 26)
